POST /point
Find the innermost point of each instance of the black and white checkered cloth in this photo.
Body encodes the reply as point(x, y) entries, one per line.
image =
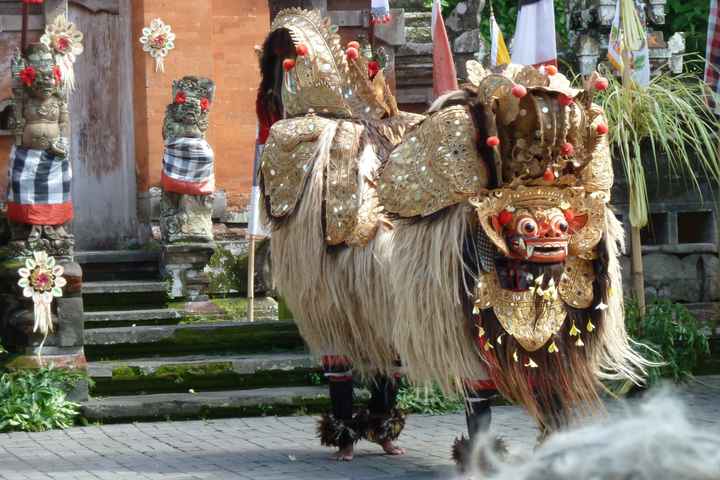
point(189, 160)
point(36, 177)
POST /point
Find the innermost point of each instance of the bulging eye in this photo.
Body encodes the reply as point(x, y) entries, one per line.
point(527, 225)
point(559, 224)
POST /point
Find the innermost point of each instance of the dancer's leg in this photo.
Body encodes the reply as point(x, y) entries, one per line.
point(338, 428)
point(384, 421)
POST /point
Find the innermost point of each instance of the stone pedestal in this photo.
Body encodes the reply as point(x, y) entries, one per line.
point(63, 348)
point(186, 218)
point(184, 266)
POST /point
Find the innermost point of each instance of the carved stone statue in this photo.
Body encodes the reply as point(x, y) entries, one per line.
point(188, 177)
point(39, 203)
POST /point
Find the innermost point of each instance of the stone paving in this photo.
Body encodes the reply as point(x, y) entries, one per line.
point(267, 448)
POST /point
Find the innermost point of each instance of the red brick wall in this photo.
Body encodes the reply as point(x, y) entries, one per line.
point(215, 38)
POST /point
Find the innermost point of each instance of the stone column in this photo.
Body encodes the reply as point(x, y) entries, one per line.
point(188, 183)
point(64, 346)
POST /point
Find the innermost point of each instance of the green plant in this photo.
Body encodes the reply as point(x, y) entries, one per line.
point(447, 5)
point(691, 17)
point(36, 400)
point(669, 335)
point(426, 400)
point(666, 125)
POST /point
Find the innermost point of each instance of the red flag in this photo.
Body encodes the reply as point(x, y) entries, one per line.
point(444, 73)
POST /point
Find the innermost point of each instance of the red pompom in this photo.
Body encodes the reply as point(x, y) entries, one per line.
point(565, 100)
point(354, 44)
point(551, 70)
point(301, 49)
point(352, 53)
point(492, 141)
point(567, 149)
point(549, 175)
point(519, 91)
point(57, 74)
point(180, 98)
point(602, 129)
point(505, 217)
point(373, 69)
point(288, 64)
point(204, 104)
point(27, 75)
point(569, 216)
point(601, 84)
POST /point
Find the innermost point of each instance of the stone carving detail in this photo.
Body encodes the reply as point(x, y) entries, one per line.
point(188, 178)
point(590, 23)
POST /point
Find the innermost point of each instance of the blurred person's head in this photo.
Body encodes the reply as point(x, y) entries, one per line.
point(653, 441)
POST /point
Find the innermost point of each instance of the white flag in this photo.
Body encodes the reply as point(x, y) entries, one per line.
point(534, 42)
point(255, 225)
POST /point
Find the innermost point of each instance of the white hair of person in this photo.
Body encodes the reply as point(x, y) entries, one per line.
point(650, 441)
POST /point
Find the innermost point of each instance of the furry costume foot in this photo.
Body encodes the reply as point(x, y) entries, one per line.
point(381, 428)
point(462, 455)
point(334, 432)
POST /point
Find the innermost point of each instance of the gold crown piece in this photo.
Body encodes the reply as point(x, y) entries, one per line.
point(323, 79)
point(545, 128)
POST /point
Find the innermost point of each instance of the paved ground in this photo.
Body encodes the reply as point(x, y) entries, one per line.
point(265, 448)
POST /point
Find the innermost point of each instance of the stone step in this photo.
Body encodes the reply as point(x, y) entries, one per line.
point(414, 75)
point(124, 286)
point(131, 316)
point(119, 265)
point(181, 406)
point(116, 256)
point(125, 294)
point(418, 34)
point(418, 19)
point(415, 95)
point(203, 372)
point(189, 339)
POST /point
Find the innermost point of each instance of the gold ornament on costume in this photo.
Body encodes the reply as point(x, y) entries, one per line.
point(435, 167)
point(322, 78)
point(530, 319)
point(288, 160)
point(547, 130)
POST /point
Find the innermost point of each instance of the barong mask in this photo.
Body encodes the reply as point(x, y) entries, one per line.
point(187, 115)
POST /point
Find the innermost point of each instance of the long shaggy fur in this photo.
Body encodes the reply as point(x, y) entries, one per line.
point(399, 297)
point(654, 442)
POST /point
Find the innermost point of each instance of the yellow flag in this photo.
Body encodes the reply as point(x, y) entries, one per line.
point(499, 52)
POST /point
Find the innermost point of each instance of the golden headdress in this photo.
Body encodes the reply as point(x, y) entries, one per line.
point(323, 78)
point(542, 129)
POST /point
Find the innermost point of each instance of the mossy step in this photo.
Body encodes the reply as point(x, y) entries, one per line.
point(178, 340)
point(146, 315)
point(418, 19)
point(235, 403)
point(124, 286)
point(418, 34)
point(203, 373)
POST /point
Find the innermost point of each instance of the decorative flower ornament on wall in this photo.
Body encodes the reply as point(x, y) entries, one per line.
point(158, 39)
point(65, 40)
point(41, 279)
